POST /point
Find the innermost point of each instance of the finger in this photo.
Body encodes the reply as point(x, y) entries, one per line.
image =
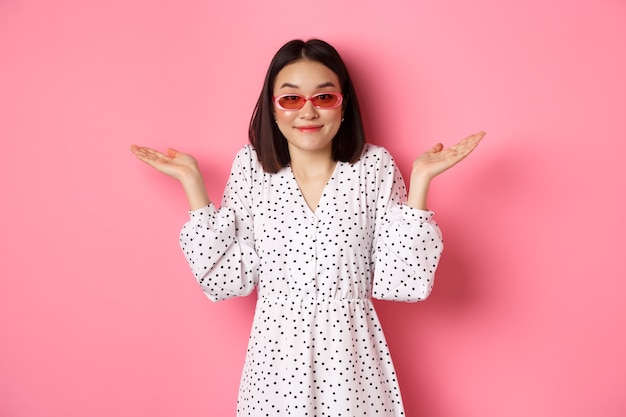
point(437, 148)
point(461, 150)
point(475, 138)
point(469, 143)
point(172, 152)
point(137, 149)
point(146, 157)
point(152, 153)
point(150, 156)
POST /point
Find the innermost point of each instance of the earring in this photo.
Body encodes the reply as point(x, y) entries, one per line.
point(342, 119)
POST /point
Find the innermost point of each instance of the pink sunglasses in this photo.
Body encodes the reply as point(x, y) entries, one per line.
point(323, 101)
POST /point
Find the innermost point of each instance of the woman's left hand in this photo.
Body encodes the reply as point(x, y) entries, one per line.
point(437, 160)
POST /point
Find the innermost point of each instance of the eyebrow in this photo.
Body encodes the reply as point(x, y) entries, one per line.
point(326, 84)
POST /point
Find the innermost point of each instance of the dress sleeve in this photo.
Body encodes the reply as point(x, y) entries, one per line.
point(408, 242)
point(219, 243)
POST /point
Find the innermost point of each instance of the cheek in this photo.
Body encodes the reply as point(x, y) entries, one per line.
point(284, 122)
point(337, 116)
point(284, 116)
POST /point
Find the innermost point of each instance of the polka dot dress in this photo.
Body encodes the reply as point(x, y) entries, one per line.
point(316, 347)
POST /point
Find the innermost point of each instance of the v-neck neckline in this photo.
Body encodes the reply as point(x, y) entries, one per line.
point(315, 210)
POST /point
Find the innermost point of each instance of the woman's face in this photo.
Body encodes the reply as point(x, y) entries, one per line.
point(309, 129)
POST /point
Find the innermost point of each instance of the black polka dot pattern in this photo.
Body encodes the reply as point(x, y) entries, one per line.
point(316, 347)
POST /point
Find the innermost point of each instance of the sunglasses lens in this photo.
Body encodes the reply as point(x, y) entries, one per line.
point(321, 101)
point(325, 100)
point(291, 102)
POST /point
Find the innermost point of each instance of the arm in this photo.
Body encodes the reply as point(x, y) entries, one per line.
point(218, 244)
point(407, 244)
point(432, 163)
point(408, 241)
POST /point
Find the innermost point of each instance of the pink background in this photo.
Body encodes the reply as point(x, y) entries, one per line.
point(99, 313)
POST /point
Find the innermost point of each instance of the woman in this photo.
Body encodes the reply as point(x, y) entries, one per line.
point(319, 222)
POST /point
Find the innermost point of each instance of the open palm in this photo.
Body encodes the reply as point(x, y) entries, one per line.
point(176, 164)
point(437, 160)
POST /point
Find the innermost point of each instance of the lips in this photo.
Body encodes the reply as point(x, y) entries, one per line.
point(309, 129)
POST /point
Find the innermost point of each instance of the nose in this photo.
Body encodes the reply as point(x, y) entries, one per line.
point(308, 111)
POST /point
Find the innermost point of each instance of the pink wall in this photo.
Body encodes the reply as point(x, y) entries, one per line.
point(99, 313)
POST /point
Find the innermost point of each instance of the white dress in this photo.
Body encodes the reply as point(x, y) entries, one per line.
point(316, 347)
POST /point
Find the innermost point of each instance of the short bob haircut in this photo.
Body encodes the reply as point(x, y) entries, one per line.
point(267, 140)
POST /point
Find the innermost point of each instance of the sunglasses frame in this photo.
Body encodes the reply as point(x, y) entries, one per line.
point(332, 93)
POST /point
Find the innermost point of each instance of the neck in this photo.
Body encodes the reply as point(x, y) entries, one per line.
point(311, 164)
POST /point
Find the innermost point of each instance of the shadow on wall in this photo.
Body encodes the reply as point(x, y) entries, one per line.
point(468, 280)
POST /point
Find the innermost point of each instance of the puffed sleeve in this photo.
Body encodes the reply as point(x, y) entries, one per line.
point(219, 243)
point(408, 242)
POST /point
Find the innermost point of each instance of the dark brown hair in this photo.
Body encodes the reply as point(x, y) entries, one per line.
point(269, 143)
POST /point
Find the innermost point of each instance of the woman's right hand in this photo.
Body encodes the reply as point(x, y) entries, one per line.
point(176, 164)
point(180, 166)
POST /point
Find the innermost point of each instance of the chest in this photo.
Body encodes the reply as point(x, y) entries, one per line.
point(344, 215)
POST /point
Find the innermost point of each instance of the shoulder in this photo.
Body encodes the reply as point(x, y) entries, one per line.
point(247, 158)
point(246, 152)
point(376, 155)
point(246, 164)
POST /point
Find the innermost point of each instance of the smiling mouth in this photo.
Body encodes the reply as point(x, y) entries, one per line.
point(308, 129)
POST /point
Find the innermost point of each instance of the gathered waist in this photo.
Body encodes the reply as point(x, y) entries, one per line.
point(296, 300)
